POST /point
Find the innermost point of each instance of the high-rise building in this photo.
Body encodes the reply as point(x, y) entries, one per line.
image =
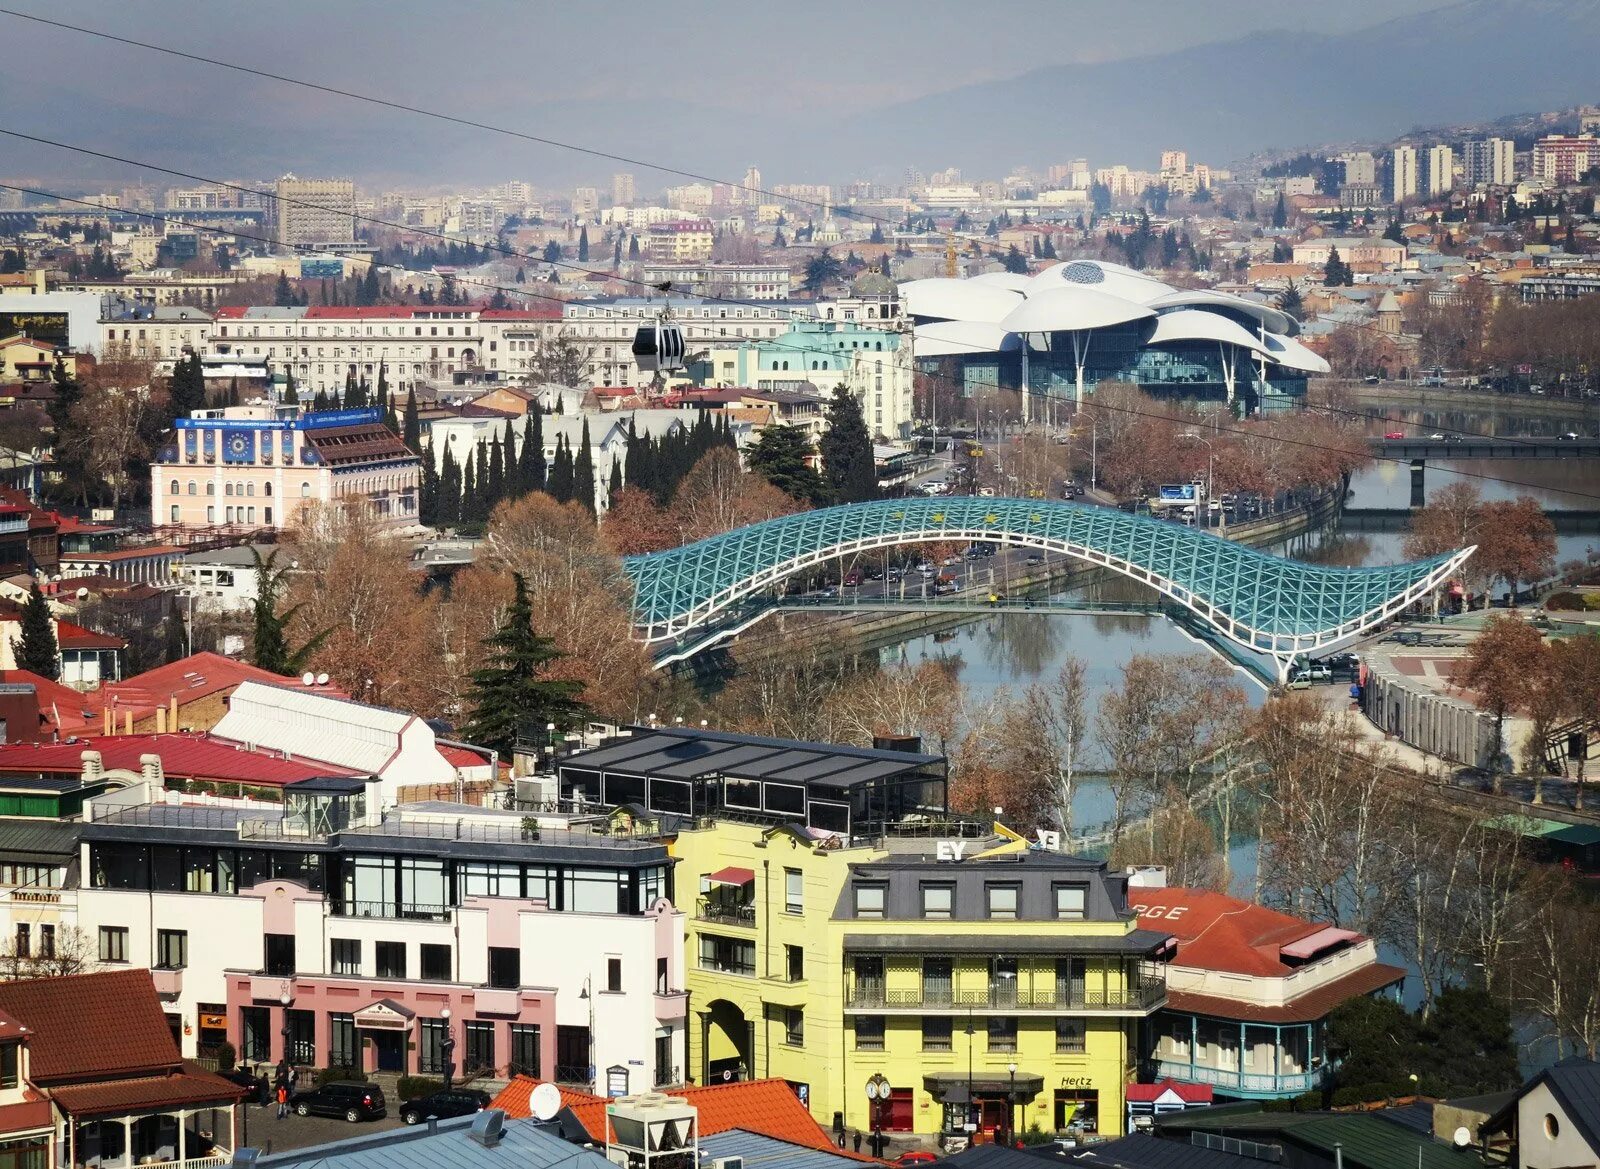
point(1403, 174)
point(313, 212)
point(1562, 158)
point(1489, 162)
point(1174, 161)
point(1589, 119)
point(752, 186)
point(1440, 175)
point(585, 201)
point(622, 190)
point(1358, 167)
point(1079, 177)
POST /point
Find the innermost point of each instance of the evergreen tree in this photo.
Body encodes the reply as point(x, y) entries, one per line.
point(616, 252)
point(383, 385)
point(37, 651)
point(877, 234)
point(1280, 212)
point(583, 245)
point(270, 644)
point(1394, 231)
point(633, 247)
point(512, 485)
point(552, 252)
point(1291, 301)
point(494, 486)
point(778, 241)
point(780, 457)
point(469, 490)
point(583, 471)
point(282, 295)
point(370, 291)
point(428, 495)
point(846, 449)
point(447, 507)
point(560, 483)
point(614, 483)
point(66, 457)
point(291, 395)
point(390, 418)
point(187, 389)
point(1333, 271)
point(320, 401)
point(513, 695)
point(530, 463)
point(1014, 260)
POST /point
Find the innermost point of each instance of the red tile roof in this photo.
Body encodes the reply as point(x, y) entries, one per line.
point(463, 756)
point(186, 756)
point(767, 1107)
point(64, 708)
point(1188, 1093)
point(92, 1025)
point(191, 1086)
point(188, 679)
point(1217, 932)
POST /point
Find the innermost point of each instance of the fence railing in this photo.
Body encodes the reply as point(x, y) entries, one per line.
point(1287, 1082)
point(667, 1075)
point(567, 1073)
point(1139, 994)
point(389, 909)
point(726, 912)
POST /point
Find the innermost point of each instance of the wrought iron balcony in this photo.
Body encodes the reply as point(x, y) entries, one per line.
point(1136, 995)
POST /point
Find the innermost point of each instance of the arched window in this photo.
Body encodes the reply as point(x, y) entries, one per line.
point(211, 488)
point(266, 489)
point(174, 487)
point(305, 491)
point(227, 489)
point(191, 487)
point(250, 489)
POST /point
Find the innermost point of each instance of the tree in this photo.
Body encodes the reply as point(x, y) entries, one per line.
point(717, 496)
point(633, 247)
point(583, 484)
point(781, 455)
point(37, 651)
point(1518, 542)
point(1015, 261)
point(634, 524)
point(1335, 272)
point(186, 392)
point(291, 394)
point(530, 462)
point(514, 696)
point(270, 644)
point(1394, 231)
point(1291, 301)
point(1503, 661)
point(821, 270)
point(282, 295)
point(69, 951)
point(552, 252)
point(846, 448)
point(411, 427)
point(583, 245)
point(559, 484)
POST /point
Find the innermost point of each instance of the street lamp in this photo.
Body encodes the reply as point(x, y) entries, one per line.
point(972, 1123)
point(1211, 456)
point(587, 997)
point(1011, 1105)
point(449, 1049)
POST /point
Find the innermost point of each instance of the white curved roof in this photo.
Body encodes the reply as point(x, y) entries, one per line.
point(1102, 277)
point(945, 299)
point(1192, 324)
point(1276, 320)
point(1069, 307)
point(942, 338)
point(1015, 281)
point(1292, 354)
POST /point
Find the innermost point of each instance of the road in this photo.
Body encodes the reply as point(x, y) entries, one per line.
point(262, 1129)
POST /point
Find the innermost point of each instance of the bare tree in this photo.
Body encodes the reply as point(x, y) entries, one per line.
point(71, 952)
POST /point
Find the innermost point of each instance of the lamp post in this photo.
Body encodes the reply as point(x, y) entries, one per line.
point(972, 1118)
point(448, 1048)
point(1211, 489)
point(284, 999)
point(1011, 1106)
point(587, 997)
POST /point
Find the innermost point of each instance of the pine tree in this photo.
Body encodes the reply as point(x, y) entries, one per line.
point(846, 448)
point(583, 471)
point(37, 651)
point(291, 395)
point(270, 644)
point(560, 484)
point(530, 465)
point(780, 457)
point(513, 696)
point(411, 427)
point(583, 245)
point(282, 295)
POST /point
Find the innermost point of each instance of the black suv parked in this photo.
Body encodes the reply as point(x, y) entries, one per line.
point(353, 1101)
point(443, 1105)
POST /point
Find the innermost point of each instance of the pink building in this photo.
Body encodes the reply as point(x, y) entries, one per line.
point(244, 468)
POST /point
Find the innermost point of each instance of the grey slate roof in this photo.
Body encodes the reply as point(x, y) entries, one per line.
point(524, 1145)
point(685, 754)
point(38, 841)
point(1143, 1151)
point(764, 1152)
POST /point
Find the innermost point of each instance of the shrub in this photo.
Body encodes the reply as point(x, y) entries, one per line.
point(226, 1056)
point(411, 1087)
point(332, 1074)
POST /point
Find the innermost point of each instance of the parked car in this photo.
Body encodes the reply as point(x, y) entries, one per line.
point(1571, 436)
point(1395, 434)
point(946, 585)
point(347, 1098)
point(1315, 672)
point(444, 1105)
point(258, 1086)
point(853, 578)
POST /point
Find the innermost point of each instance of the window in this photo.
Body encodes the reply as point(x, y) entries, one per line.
point(24, 941)
point(301, 1026)
point(505, 967)
point(1003, 978)
point(1071, 902)
point(938, 982)
point(280, 955)
point(728, 955)
point(176, 514)
point(435, 962)
point(9, 1065)
point(47, 941)
point(794, 1026)
point(342, 1049)
point(869, 1032)
point(480, 1047)
point(1003, 1033)
point(794, 963)
point(525, 1053)
point(614, 975)
point(869, 900)
point(391, 958)
point(794, 891)
point(255, 1029)
point(936, 1032)
point(430, 1046)
point(938, 900)
point(1070, 1036)
point(113, 943)
point(1002, 900)
point(172, 949)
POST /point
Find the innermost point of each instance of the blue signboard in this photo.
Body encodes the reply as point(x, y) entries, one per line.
point(1178, 492)
point(238, 445)
point(319, 269)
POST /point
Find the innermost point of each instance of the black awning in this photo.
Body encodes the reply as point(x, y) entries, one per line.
point(951, 1087)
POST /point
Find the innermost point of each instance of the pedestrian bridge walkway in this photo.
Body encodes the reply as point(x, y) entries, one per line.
point(688, 598)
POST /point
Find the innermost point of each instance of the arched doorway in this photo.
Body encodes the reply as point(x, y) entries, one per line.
point(727, 1044)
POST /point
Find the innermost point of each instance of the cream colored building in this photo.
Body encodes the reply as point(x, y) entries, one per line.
point(313, 212)
point(159, 334)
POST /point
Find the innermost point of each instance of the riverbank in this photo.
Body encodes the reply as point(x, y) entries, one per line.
point(852, 633)
point(1416, 397)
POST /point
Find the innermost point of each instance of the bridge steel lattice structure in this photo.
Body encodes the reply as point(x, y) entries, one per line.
point(1267, 604)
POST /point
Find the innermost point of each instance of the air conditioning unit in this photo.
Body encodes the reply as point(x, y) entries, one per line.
point(727, 1163)
point(536, 790)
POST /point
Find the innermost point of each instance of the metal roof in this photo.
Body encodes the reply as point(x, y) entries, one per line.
point(687, 754)
point(763, 1152)
point(1266, 603)
point(524, 1144)
point(39, 841)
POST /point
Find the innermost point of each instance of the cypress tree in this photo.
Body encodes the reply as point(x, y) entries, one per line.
point(614, 484)
point(583, 245)
point(513, 695)
point(494, 489)
point(513, 479)
point(583, 471)
point(428, 496)
point(560, 484)
point(469, 490)
point(383, 386)
point(531, 467)
point(291, 395)
point(846, 449)
point(411, 428)
point(447, 507)
point(37, 651)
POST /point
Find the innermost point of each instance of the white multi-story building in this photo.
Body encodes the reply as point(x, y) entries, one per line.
point(725, 281)
point(1440, 176)
point(314, 212)
point(155, 334)
point(604, 329)
point(1489, 162)
point(1358, 166)
point(1403, 179)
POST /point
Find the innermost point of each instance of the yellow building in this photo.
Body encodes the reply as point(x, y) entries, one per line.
point(1021, 974)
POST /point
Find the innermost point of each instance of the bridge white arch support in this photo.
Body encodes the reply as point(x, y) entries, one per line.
point(1265, 624)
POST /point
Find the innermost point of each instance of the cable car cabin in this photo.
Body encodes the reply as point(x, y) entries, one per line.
point(658, 347)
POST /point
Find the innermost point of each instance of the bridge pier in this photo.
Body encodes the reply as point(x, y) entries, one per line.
point(1419, 497)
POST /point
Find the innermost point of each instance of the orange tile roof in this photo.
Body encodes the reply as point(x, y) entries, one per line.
point(766, 1107)
point(92, 1025)
point(1217, 932)
point(193, 1086)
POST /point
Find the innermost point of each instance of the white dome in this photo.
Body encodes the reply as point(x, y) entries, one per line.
point(1015, 281)
point(943, 338)
point(944, 299)
point(1102, 277)
point(1069, 307)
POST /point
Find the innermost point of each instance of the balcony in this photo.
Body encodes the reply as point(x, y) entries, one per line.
point(667, 1077)
point(671, 1004)
point(1258, 1085)
point(573, 1075)
point(1139, 996)
point(389, 909)
point(739, 913)
point(168, 981)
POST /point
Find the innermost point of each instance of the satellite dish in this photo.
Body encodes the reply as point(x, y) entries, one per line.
point(544, 1102)
point(82, 593)
point(308, 678)
point(1462, 1137)
point(322, 680)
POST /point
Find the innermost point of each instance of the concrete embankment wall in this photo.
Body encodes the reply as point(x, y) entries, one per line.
point(1440, 724)
point(858, 632)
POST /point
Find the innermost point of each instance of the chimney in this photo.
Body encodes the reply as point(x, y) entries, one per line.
point(111, 721)
point(92, 768)
point(127, 722)
point(161, 720)
point(172, 713)
point(150, 770)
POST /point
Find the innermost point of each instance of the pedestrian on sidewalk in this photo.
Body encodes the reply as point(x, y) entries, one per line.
point(283, 1101)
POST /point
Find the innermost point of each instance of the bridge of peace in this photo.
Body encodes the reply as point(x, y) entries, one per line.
point(690, 598)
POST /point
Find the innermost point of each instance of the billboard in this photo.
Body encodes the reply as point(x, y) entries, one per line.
point(321, 269)
point(1177, 492)
point(238, 445)
point(49, 327)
